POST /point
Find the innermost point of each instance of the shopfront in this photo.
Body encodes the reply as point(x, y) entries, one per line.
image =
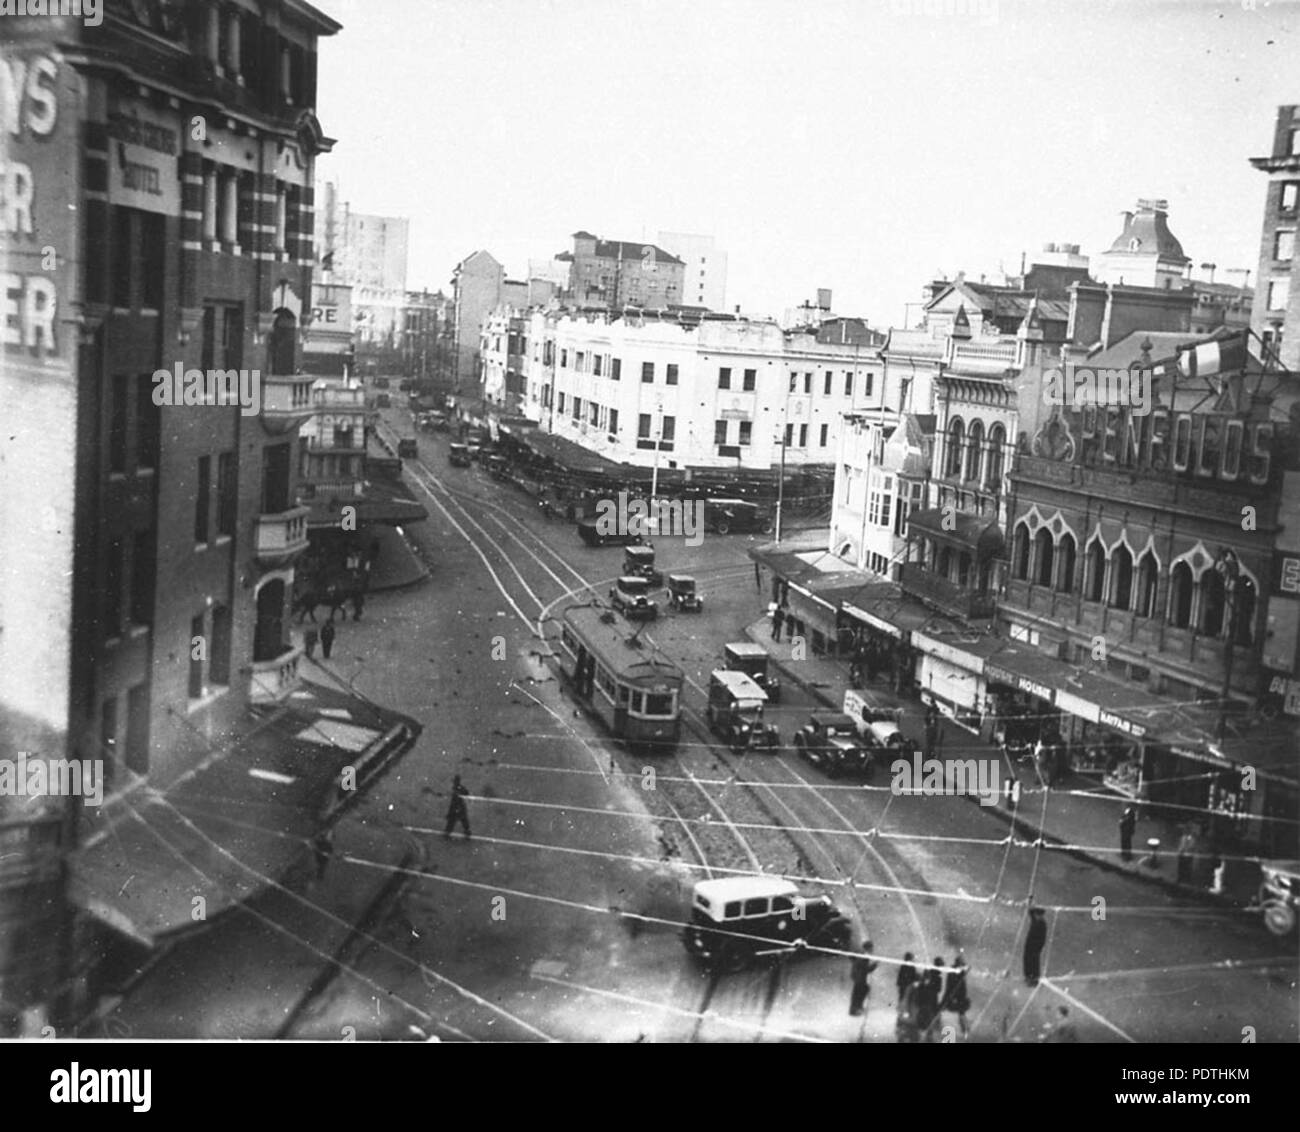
point(952, 679)
point(1020, 709)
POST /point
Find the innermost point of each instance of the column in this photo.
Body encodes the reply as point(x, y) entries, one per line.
point(281, 217)
point(230, 208)
point(233, 59)
point(209, 233)
point(213, 35)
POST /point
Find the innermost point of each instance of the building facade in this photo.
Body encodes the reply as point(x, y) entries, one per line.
point(612, 274)
point(704, 269)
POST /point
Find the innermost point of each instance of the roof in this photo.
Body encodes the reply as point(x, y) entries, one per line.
point(979, 533)
point(1128, 350)
point(740, 684)
point(738, 888)
point(833, 719)
point(746, 648)
point(627, 250)
point(1149, 226)
point(631, 656)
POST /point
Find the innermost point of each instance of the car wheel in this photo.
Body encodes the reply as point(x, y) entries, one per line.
point(732, 959)
point(766, 527)
point(1279, 918)
point(724, 528)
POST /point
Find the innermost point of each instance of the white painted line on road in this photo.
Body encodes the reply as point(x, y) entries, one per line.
point(1088, 1010)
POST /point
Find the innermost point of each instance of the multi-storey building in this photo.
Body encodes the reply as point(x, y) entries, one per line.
point(612, 274)
point(1276, 313)
point(1145, 253)
point(704, 269)
point(477, 284)
point(144, 617)
point(428, 338)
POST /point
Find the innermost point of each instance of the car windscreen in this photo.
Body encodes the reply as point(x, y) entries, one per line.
point(659, 703)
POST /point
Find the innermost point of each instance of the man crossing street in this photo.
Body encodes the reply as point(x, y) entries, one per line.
point(457, 811)
point(863, 966)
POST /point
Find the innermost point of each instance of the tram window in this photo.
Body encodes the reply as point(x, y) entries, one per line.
point(624, 695)
point(756, 906)
point(731, 910)
point(636, 702)
point(782, 904)
point(659, 705)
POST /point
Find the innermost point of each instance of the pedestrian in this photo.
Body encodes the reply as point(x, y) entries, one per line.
point(956, 998)
point(1040, 762)
point(1127, 824)
point(863, 966)
point(778, 615)
point(1035, 941)
point(929, 996)
point(358, 601)
point(457, 811)
point(322, 846)
point(1186, 847)
point(789, 621)
point(906, 977)
point(906, 1029)
point(327, 637)
point(309, 640)
point(758, 577)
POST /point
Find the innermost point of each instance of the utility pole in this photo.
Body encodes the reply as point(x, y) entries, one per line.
point(1229, 568)
point(654, 475)
point(780, 487)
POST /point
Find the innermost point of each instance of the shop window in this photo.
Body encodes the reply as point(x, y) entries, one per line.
point(1180, 596)
point(1121, 578)
point(1095, 571)
point(1045, 557)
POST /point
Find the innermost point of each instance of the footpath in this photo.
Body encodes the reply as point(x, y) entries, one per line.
point(1076, 815)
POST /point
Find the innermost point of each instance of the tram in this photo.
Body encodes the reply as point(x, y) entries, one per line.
point(621, 677)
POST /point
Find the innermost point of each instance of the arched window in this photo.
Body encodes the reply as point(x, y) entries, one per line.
point(1180, 596)
point(1046, 557)
point(993, 465)
point(1147, 577)
point(1121, 577)
point(1065, 571)
point(268, 631)
point(974, 451)
point(1214, 603)
point(1244, 596)
point(956, 439)
point(963, 569)
point(944, 568)
point(1094, 571)
point(1020, 552)
point(280, 344)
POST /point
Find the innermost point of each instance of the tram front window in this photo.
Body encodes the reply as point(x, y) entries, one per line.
point(659, 704)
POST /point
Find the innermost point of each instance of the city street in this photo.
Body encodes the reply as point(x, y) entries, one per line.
point(560, 918)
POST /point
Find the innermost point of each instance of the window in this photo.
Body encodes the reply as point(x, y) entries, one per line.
point(826, 390)
point(564, 359)
point(559, 403)
point(1284, 245)
point(647, 372)
point(578, 362)
point(195, 654)
point(803, 436)
point(117, 426)
point(671, 376)
point(719, 432)
point(147, 423)
point(142, 578)
point(956, 439)
point(974, 450)
point(1214, 596)
point(201, 493)
point(794, 381)
point(121, 258)
point(724, 377)
point(750, 380)
point(826, 429)
point(746, 429)
point(615, 368)
point(597, 362)
point(613, 421)
point(1046, 553)
point(1290, 193)
point(996, 447)
point(1146, 585)
point(1095, 571)
point(577, 408)
point(807, 383)
point(1020, 553)
point(789, 436)
point(593, 412)
point(1180, 595)
point(643, 426)
point(1065, 572)
point(220, 656)
point(1279, 291)
point(227, 500)
point(848, 384)
point(114, 568)
point(668, 430)
point(1244, 598)
point(756, 906)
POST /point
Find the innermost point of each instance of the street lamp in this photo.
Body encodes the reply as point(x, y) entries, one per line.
point(1229, 569)
point(654, 475)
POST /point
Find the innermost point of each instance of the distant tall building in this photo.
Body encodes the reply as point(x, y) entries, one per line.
point(704, 275)
point(1145, 253)
point(1276, 314)
point(622, 273)
point(477, 286)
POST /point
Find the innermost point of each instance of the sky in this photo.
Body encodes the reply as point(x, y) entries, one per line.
point(867, 146)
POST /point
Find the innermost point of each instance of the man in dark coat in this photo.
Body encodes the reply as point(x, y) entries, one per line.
point(778, 616)
point(906, 977)
point(1127, 824)
point(863, 966)
point(956, 998)
point(929, 996)
point(1035, 941)
point(327, 637)
point(457, 811)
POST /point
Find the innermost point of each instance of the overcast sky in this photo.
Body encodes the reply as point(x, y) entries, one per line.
point(861, 145)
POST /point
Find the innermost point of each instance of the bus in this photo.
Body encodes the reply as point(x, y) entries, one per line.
point(622, 678)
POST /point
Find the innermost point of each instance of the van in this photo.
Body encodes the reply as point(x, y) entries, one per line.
point(408, 448)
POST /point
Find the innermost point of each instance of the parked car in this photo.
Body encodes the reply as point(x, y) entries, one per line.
point(458, 455)
point(737, 920)
point(735, 711)
point(381, 383)
point(639, 562)
point(727, 515)
point(497, 467)
point(433, 421)
point(1279, 895)
point(383, 401)
point(878, 726)
point(631, 597)
point(589, 530)
point(752, 659)
point(408, 448)
point(830, 741)
point(682, 594)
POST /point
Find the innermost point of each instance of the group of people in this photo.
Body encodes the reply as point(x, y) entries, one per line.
point(923, 996)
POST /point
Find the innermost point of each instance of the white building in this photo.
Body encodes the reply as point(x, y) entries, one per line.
point(704, 280)
point(718, 392)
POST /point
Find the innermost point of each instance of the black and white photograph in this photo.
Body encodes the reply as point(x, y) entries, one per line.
point(651, 522)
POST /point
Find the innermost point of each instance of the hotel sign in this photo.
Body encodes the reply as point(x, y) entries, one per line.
point(143, 159)
point(996, 675)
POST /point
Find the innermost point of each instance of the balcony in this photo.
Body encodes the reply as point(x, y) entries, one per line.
point(333, 443)
point(286, 402)
point(338, 397)
point(324, 488)
point(281, 536)
point(944, 595)
point(272, 681)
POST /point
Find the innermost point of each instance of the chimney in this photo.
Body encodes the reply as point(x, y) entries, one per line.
point(823, 298)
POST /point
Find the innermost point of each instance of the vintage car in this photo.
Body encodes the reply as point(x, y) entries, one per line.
point(496, 467)
point(727, 515)
point(458, 455)
point(593, 533)
point(878, 726)
point(682, 594)
point(736, 711)
point(736, 920)
point(1279, 895)
point(408, 448)
point(433, 421)
point(830, 741)
point(639, 562)
point(631, 597)
point(752, 659)
point(383, 401)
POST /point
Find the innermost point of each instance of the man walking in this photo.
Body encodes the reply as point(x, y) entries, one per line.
point(956, 999)
point(906, 977)
point(1127, 824)
point(327, 637)
point(358, 603)
point(1035, 941)
point(863, 966)
point(778, 616)
point(929, 996)
point(309, 640)
point(457, 812)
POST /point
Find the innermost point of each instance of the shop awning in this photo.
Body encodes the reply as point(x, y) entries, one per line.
point(570, 456)
point(1027, 670)
point(981, 536)
point(966, 652)
point(884, 607)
